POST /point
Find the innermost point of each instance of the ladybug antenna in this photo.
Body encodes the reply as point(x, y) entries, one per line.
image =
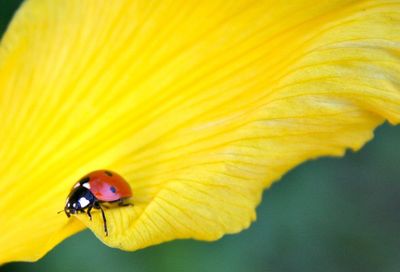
point(60, 211)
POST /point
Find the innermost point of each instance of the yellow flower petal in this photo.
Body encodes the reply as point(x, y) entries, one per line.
point(200, 105)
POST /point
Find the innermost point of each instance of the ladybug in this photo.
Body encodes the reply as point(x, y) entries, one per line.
point(95, 189)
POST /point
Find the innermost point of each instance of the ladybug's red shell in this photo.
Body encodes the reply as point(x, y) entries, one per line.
point(107, 185)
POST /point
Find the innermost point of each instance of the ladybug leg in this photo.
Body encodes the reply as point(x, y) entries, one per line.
point(88, 212)
point(97, 206)
point(122, 203)
point(104, 220)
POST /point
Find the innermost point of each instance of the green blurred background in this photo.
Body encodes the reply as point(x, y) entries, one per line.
point(326, 215)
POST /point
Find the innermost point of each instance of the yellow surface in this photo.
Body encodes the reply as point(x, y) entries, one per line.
point(199, 104)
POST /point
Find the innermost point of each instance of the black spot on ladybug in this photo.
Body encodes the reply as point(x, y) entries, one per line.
point(108, 173)
point(84, 180)
point(112, 189)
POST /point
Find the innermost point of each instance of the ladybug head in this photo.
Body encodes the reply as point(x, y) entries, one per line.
point(79, 199)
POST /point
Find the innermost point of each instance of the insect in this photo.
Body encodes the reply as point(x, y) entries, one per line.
point(95, 189)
